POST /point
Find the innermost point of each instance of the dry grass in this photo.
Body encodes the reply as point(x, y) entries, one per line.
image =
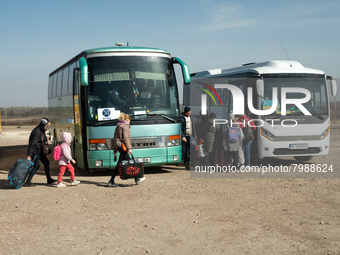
point(21, 122)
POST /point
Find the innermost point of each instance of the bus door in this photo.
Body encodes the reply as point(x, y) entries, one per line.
point(78, 135)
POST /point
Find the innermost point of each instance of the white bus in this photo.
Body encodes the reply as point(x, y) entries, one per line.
point(278, 134)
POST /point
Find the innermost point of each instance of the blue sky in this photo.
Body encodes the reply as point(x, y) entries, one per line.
point(39, 36)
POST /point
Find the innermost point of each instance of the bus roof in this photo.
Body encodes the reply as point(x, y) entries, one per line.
point(268, 67)
point(110, 49)
point(124, 49)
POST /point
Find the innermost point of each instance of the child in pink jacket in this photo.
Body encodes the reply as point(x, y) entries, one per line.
point(64, 161)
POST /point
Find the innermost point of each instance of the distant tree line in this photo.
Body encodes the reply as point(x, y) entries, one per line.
point(32, 112)
point(23, 112)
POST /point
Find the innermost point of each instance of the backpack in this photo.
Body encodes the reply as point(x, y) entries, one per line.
point(57, 152)
point(248, 132)
point(233, 134)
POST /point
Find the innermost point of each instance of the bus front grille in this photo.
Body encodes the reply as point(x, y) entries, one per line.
point(285, 151)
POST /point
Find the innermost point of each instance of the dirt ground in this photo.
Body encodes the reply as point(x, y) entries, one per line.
point(169, 213)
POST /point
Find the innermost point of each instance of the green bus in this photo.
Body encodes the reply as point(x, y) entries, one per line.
point(87, 94)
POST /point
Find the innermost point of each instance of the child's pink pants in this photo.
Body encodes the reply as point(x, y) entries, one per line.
point(62, 172)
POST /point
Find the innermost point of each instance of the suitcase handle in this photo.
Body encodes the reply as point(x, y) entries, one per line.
point(32, 160)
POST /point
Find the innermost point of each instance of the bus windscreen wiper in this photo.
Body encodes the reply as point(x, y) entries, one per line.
point(138, 119)
point(168, 118)
point(102, 123)
point(162, 115)
point(318, 116)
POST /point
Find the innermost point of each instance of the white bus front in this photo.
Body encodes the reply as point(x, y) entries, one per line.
point(294, 133)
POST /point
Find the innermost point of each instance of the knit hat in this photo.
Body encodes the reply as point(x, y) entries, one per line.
point(44, 122)
point(187, 109)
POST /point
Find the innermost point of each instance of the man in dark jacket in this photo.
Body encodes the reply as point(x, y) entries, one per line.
point(34, 152)
point(188, 134)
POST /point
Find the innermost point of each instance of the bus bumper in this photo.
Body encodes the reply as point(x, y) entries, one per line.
point(269, 148)
point(103, 160)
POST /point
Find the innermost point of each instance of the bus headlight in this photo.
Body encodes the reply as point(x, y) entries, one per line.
point(93, 147)
point(174, 140)
point(101, 146)
point(97, 145)
point(267, 134)
point(325, 133)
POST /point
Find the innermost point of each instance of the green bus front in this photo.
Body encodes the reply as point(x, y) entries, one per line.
point(139, 82)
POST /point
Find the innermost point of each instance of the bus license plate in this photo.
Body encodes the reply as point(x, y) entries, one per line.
point(298, 146)
point(143, 160)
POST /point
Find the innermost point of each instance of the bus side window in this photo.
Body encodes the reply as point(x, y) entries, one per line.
point(54, 86)
point(50, 87)
point(59, 82)
point(65, 81)
point(75, 81)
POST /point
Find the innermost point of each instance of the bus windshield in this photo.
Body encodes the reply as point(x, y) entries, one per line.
point(314, 83)
point(141, 86)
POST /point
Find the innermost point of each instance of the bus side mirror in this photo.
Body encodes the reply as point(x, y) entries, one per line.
point(84, 80)
point(334, 88)
point(185, 70)
point(260, 87)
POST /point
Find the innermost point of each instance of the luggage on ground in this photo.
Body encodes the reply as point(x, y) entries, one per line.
point(19, 172)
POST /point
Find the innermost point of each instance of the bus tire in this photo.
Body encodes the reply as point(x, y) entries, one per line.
point(303, 158)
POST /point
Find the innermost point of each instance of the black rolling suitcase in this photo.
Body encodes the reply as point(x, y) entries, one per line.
point(19, 172)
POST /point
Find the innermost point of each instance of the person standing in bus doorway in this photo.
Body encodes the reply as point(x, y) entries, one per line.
point(35, 152)
point(248, 127)
point(188, 132)
point(122, 135)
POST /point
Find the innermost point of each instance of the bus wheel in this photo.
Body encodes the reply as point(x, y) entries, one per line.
point(303, 158)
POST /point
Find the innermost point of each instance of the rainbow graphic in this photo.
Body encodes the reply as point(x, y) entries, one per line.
point(209, 93)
